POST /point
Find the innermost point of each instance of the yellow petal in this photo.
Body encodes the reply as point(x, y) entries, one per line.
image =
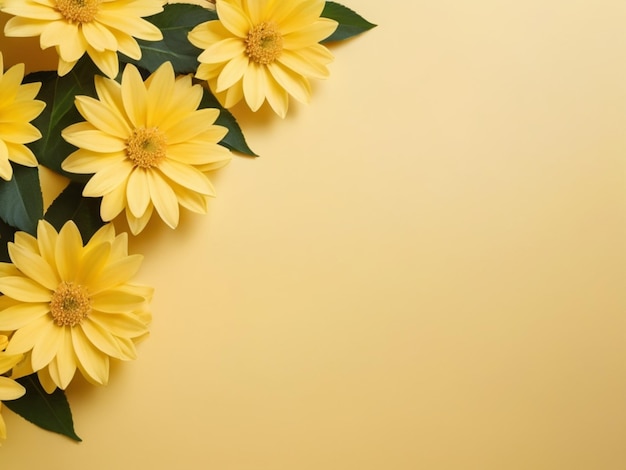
point(99, 37)
point(10, 389)
point(193, 124)
point(164, 199)
point(226, 49)
point(49, 376)
point(20, 315)
point(47, 345)
point(233, 19)
point(26, 337)
point(8, 361)
point(138, 192)
point(93, 364)
point(137, 224)
point(47, 241)
point(296, 85)
point(86, 136)
point(24, 289)
point(93, 262)
point(134, 96)
point(115, 274)
point(113, 203)
point(254, 86)
point(100, 338)
point(106, 61)
point(33, 266)
point(65, 362)
point(108, 179)
point(68, 251)
point(310, 34)
point(85, 161)
point(159, 85)
point(21, 154)
point(187, 176)
point(127, 326)
point(116, 301)
point(103, 117)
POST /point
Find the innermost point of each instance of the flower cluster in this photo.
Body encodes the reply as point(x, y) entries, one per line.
point(135, 117)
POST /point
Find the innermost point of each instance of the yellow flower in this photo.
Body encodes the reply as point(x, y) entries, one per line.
point(71, 306)
point(263, 50)
point(98, 27)
point(17, 108)
point(147, 145)
point(9, 389)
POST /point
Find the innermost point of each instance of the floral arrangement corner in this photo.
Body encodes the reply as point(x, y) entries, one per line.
point(135, 118)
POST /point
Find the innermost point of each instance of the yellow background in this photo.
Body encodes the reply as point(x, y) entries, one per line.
point(425, 268)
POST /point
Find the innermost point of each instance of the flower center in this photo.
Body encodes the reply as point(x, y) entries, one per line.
point(264, 43)
point(79, 11)
point(146, 147)
point(70, 304)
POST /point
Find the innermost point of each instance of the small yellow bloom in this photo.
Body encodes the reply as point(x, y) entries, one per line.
point(263, 50)
point(9, 389)
point(71, 305)
point(148, 145)
point(100, 28)
point(17, 108)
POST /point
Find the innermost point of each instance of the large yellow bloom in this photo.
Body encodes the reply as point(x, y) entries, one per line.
point(148, 145)
point(9, 389)
point(98, 27)
point(263, 49)
point(71, 306)
point(17, 108)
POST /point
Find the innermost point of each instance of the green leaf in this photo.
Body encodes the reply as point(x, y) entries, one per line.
point(7, 234)
point(60, 112)
point(175, 22)
point(234, 140)
point(48, 411)
point(21, 202)
point(350, 22)
point(71, 205)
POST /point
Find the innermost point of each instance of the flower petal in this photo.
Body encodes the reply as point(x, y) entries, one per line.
point(93, 364)
point(24, 289)
point(164, 199)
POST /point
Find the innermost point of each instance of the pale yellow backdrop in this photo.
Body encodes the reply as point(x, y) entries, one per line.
point(425, 269)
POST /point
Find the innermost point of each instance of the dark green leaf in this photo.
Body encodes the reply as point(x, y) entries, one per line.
point(6, 235)
point(60, 112)
point(21, 202)
point(175, 22)
point(350, 22)
point(234, 140)
point(48, 411)
point(71, 205)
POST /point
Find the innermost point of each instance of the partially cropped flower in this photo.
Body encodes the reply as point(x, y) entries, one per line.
point(148, 145)
point(71, 306)
point(9, 389)
point(263, 50)
point(100, 28)
point(18, 107)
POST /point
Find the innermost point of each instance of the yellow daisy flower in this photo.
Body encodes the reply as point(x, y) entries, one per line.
point(263, 50)
point(9, 389)
point(71, 306)
point(148, 145)
point(17, 108)
point(98, 27)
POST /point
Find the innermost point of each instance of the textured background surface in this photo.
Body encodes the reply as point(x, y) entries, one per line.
point(424, 269)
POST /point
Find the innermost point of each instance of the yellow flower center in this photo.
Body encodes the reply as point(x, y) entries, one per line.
point(264, 43)
point(146, 147)
point(70, 304)
point(79, 11)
